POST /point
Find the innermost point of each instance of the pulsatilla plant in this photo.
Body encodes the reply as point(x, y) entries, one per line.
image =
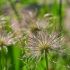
point(43, 43)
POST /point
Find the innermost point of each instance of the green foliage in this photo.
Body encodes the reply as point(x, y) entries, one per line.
point(2, 2)
point(26, 2)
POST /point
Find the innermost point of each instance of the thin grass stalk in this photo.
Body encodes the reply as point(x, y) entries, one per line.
point(60, 17)
point(15, 11)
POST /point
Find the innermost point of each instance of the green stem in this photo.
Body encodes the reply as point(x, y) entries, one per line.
point(15, 10)
point(46, 59)
point(60, 17)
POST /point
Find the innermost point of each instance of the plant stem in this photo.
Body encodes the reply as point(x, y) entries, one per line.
point(46, 59)
point(15, 10)
point(60, 17)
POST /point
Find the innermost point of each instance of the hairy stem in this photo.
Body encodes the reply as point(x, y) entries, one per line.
point(46, 59)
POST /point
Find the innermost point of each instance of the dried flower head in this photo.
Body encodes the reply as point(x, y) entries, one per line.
point(43, 41)
point(35, 24)
point(6, 40)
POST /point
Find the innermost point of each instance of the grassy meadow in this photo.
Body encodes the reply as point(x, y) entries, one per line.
point(34, 35)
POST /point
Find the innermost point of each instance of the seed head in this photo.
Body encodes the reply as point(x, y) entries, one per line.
point(43, 41)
